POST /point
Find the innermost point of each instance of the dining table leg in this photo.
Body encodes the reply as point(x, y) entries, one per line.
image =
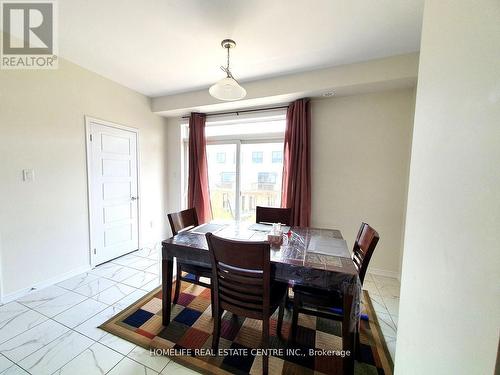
point(167, 266)
point(347, 334)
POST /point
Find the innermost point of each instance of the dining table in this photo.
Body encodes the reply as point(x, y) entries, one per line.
point(311, 257)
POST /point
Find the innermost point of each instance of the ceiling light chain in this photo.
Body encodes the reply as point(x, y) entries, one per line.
point(226, 44)
point(226, 69)
point(227, 88)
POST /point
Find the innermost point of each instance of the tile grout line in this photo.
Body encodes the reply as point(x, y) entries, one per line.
point(93, 343)
point(79, 285)
point(163, 368)
point(107, 346)
point(100, 277)
point(53, 320)
point(49, 344)
point(389, 338)
point(36, 325)
point(51, 341)
point(71, 330)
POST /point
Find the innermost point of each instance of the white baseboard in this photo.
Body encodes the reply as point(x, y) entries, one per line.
point(386, 273)
point(44, 284)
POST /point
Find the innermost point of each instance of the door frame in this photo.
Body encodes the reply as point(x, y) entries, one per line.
point(88, 150)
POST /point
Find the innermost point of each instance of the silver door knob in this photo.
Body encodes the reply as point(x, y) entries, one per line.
point(134, 198)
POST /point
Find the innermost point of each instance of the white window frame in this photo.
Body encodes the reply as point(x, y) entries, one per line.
point(237, 139)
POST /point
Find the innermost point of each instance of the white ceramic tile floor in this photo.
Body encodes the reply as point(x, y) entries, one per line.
point(117, 344)
point(78, 281)
point(97, 359)
point(4, 363)
point(155, 268)
point(384, 294)
point(95, 287)
point(144, 357)
point(90, 328)
point(151, 285)
point(130, 299)
point(129, 367)
point(59, 304)
point(15, 370)
point(56, 354)
point(19, 319)
point(114, 294)
point(55, 330)
point(140, 279)
point(78, 314)
point(28, 342)
point(38, 297)
point(173, 368)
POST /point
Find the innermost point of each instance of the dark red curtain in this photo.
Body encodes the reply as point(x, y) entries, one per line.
point(296, 192)
point(198, 193)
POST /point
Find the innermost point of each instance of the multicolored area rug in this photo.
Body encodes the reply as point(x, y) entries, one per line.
point(188, 338)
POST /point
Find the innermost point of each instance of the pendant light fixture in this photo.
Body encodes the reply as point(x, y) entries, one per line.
point(228, 88)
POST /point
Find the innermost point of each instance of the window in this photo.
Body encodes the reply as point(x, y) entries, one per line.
point(221, 157)
point(244, 164)
point(222, 182)
point(260, 182)
point(221, 129)
point(225, 201)
point(277, 157)
point(228, 177)
point(257, 157)
point(267, 178)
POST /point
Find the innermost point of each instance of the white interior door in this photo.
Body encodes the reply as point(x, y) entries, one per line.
point(113, 191)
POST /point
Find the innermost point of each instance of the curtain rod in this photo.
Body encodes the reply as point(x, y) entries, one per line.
point(243, 111)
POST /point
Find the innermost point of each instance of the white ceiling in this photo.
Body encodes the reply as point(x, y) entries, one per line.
point(164, 47)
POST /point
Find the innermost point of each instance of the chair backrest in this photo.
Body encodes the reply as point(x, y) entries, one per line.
point(241, 276)
point(182, 220)
point(365, 244)
point(273, 215)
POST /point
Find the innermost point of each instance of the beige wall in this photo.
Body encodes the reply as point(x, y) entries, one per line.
point(449, 314)
point(360, 158)
point(174, 171)
point(44, 224)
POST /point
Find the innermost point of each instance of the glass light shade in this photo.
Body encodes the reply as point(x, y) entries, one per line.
point(227, 89)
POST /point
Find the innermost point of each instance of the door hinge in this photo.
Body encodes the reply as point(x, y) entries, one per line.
point(91, 138)
point(95, 251)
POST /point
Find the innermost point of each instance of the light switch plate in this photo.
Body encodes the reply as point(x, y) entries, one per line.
point(28, 175)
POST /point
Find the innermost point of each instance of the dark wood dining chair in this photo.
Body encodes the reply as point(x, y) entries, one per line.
point(180, 221)
point(330, 305)
point(243, 285)
point(273, 215)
